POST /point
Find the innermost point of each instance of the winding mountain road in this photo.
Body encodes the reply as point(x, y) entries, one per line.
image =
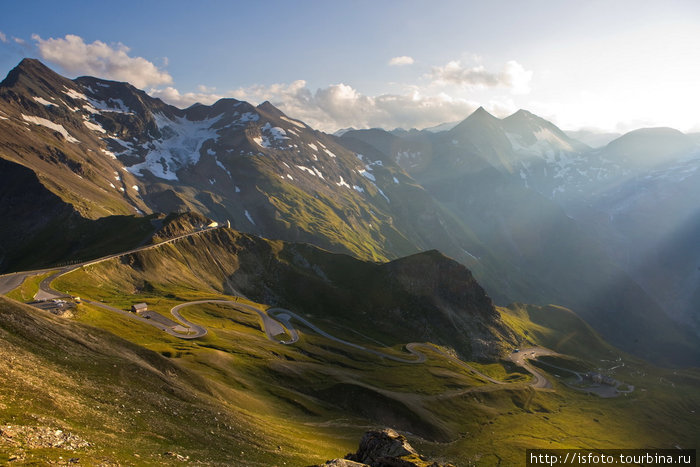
point(275, 322)
point(521, 358)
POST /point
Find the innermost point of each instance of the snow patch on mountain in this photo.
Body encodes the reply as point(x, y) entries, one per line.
point(51, 125)
point(367, 175)
point(247, 215)
point(222, 166)
point(109, 153)
point(293, 122)
point(94, 126)
point(382, 193)
point(275, 132)
point(73, 94)
point(179, 147)
point(43, 101)
point(271, 136)
point(313, 171)
point(342, 182)
point(110, 105)
point(262, 141)
point(249, 117)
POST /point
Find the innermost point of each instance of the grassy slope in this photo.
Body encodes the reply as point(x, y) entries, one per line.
point(133, 404)
point(327, 394)
point(396, 301)
point(79, 239)
point(29, 287)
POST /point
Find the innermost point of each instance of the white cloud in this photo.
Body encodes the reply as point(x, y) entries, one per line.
point(513, 76)
point(341, 106)
point(206, 89)
point(3, 37)
point(173, 97)
point(100, 59)
point(19, 41)
point(402, 60)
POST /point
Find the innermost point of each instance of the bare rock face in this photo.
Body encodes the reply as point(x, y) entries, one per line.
point(385, 448)
point(379, 445)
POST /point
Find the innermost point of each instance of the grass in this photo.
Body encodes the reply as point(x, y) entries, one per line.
point(315, 398)
point(79, 239)
point(29, 287)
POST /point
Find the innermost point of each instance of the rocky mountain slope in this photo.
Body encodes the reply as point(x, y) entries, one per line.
point(96, 156)
point(106, 148)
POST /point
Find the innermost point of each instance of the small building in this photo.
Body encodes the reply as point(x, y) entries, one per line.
point(139, 307)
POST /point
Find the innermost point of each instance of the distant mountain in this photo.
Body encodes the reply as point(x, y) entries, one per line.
point(648, 147)
point(442, 127)
point(512, 181)
point(593, 139)
point(342, 131)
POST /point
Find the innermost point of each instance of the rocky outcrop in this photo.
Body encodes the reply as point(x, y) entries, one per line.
point(385, 448)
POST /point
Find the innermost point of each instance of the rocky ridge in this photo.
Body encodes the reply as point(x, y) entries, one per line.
point(385, 448)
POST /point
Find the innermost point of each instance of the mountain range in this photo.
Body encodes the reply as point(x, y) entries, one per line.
point(482, 287)
point(516, 200)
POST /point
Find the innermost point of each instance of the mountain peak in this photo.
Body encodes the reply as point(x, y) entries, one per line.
point(32, 64)
point(480, 118)
point(268, 107)
point(522, 113)
point(28, 67)
point(481, 112)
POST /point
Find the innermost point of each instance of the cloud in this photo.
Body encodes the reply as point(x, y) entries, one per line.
point(3, 37)
point(513, 76)
point(341, 106)
point(402, 60)
point(100, 59)
point(173, 97)
point(20, 41)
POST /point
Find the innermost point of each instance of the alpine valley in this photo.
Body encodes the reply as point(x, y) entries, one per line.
point(482, 287)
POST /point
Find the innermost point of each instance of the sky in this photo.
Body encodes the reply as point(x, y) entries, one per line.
point(608, 66)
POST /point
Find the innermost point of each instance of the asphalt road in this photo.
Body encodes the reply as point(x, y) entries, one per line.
point(11, 281)
point(520, 358)
point(285, 316)
point(275, 321)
